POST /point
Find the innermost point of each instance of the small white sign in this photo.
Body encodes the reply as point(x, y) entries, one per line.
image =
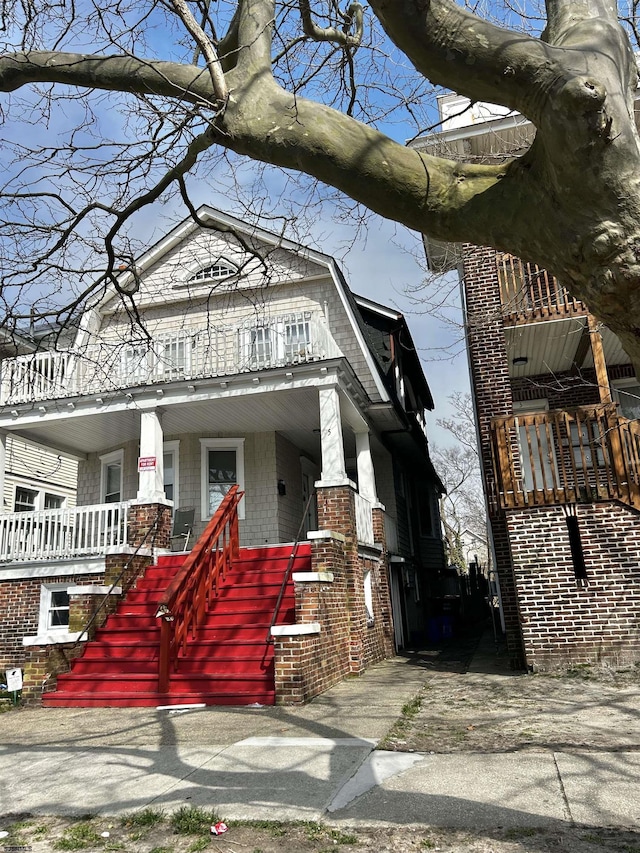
point(14, 680)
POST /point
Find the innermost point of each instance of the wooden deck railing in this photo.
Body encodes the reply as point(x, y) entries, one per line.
point(586, 454)
point(527, 291)
point(183, 606)
point(62, 533)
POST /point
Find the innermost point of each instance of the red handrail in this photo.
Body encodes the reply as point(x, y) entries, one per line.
point(184, 604)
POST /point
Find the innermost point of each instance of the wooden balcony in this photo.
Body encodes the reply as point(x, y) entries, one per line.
point(560, 457)
point(529, 293)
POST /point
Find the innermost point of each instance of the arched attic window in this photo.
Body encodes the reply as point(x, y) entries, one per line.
point(221, 270)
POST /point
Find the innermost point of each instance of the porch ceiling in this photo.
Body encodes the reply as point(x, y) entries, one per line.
point(551, 346)
point(293, 412)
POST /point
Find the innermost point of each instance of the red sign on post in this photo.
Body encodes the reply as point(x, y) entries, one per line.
point(146, 463)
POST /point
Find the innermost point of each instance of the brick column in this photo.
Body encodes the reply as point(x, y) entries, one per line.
point(142, 517)
point(491, 387)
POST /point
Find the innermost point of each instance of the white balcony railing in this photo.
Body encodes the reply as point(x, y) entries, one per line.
point(187, 354)
point(60, 533)
point(364, 520)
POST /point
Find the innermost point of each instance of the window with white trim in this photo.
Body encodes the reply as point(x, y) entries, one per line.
point(112, 465)
point(25, 500)
point(54, 608)
point(220, 270)
point(368, 597)
point(258, 346)
point(171, 453)
point(222, 466)
point(32, 500)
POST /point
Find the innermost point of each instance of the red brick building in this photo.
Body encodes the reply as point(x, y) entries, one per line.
point(557, 406)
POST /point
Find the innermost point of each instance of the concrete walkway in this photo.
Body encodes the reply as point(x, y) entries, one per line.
point(318, 762)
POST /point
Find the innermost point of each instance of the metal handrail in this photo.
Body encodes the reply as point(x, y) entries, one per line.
point(287, 573)
point(183, 605)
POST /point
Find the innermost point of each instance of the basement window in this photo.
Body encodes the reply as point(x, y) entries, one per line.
point(54, 608)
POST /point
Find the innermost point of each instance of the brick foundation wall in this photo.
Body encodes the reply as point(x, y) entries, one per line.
point(20, 611)
point(563, 623)
point(42, 666)
point(309, 664)
point(491, 387)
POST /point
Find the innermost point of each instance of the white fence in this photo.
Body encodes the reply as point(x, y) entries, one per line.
point(59, 533)
point(188, 354)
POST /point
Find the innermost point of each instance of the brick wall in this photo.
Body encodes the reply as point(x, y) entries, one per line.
point(348, 641)
point(564, 623)
point(20, 610)
point(562, 390)
point(491, 388)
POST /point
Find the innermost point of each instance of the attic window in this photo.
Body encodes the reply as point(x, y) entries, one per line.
point(219, 271)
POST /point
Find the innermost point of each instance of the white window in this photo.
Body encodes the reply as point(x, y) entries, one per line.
point(54, 608)
point(111, 477)
point(222, 466)
point(368, 597)
point(175, 358)
point(135, 362)
point(32, 500)
point(258, 347)
point(297, 340)
point(25, 499)
point(218, 271)
point(171, 454)
point(277, 341)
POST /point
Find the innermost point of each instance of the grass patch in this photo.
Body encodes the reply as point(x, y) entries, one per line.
point(78, 837)
point(319, 832)
point(412, 708)
point(143, 819)
point(191, 820)
point(200, 844)
point(274, 827)
point(409, 712)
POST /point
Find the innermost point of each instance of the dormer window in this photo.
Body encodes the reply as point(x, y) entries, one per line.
point(219, 271)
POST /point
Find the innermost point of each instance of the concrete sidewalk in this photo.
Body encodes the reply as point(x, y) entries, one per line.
point(318, 762)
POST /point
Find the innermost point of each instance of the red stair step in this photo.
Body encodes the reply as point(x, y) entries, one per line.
point(230, 662)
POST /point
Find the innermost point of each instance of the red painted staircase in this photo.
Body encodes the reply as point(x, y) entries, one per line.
point(229, 662)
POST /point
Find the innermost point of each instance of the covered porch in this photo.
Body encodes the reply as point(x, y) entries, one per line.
point(278, 434)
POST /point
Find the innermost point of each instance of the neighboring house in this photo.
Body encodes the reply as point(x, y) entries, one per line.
point(557, 406)
point(252, 364)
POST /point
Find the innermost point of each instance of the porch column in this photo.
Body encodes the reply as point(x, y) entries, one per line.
point(3, 460)
point(366, 475)
point(151, 463)
point(333, 466)
point(602, 377)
